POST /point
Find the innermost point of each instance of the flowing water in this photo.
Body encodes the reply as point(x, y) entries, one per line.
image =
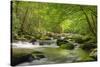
point(21, 44)
point(53, 53)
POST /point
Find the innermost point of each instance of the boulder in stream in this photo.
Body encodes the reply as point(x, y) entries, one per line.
point(67, 46)
point(61, 41)
point(33, 41)
point(25, 58)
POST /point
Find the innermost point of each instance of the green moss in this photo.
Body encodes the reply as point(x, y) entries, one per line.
point(67, 46)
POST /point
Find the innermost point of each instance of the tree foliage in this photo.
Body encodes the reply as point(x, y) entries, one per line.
point(34, 18)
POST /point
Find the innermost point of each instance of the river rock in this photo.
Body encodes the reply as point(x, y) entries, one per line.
point(25, 58)
point(61, 41)
point(33, 41)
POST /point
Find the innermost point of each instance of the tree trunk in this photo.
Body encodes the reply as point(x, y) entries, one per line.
point(88, 21)
point(23, 22)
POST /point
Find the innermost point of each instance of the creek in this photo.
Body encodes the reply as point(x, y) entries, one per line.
point(52, 53)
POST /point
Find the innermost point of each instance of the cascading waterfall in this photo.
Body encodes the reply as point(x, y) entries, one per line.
point(45, 43)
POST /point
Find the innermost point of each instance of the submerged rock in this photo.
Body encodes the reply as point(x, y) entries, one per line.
point(36, 55)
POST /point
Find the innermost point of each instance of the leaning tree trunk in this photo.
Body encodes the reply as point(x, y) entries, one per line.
point(93, 31)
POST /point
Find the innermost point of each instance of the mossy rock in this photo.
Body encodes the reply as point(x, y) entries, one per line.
point(79, 40)
point(67, 46)
point(61, 41)
point(20, 55)
point(88, 46)
point(21, 59)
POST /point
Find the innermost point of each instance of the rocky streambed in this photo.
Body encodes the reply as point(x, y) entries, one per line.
point(51, 51)
point(25, 53)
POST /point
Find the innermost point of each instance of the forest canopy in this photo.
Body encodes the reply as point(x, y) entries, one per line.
point(35, 18)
